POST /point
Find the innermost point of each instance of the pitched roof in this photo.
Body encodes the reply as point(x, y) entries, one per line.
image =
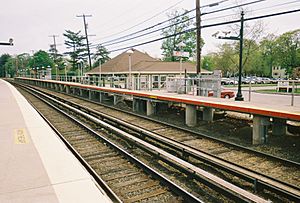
point(120, 63)
point(143, 63)
point(165, 67)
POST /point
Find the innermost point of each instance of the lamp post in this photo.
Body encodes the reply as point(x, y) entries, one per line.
point(56, 70)
point(9, 43)
point(37, 73)
point(78, 65)
point(100, 67)
point(82, 68)
point(65, 71)
point(239, 96)
point(181, 45)
point(49, 70)
point(129, 52)
point(43, 72)
point(80, 61)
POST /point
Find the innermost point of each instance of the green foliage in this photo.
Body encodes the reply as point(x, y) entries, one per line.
point(40, 59)
point(75, 43)
point(101, 55)
point(171, 44)
point(208, 62)
point(226, 59)
point(10, 67)
point(288, 50)
point(260, 57)
point(268, 53)
point(3, 60)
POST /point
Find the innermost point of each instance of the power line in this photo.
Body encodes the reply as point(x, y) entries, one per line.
point(277, 5)
point(153, 31)
point(160, 23)
point(207, 26)
point(259, 9)
point(145, 20)
point(148, 28)
point(232, 7)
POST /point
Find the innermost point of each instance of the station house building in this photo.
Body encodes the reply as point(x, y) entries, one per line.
point(144, 66)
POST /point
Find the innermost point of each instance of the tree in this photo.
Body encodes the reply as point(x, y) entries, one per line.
point(3, 60)
point(22, 62)
point(288, 50)
point(252, 34)
point(75, 43)
point(40, 59)
point(208, 62)
point(11, 67)
point(226, 59)
point(101, 56)
point(267, 53)
point(178, 23)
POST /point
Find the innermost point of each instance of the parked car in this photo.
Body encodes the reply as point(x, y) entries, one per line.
point(248, 80)
point(233, 81)
point(225, 81)
point(257, 80)
point(227, 94)
point(266, 80)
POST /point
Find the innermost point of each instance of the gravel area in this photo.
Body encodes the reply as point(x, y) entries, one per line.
point(237, 128)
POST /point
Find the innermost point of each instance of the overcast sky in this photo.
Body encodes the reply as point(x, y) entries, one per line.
point(31, 22)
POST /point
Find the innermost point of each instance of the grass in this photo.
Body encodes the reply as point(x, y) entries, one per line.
point(252, 85)
point(297, 91)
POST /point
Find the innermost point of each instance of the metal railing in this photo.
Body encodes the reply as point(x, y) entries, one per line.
point(206, 86)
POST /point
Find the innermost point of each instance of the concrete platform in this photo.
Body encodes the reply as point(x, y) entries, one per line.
point(35, 166)
point(267, 108)
point(265, 114)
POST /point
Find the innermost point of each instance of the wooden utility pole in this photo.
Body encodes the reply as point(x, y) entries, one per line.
point(198, 27)
point(87, 39)
point(54, 46)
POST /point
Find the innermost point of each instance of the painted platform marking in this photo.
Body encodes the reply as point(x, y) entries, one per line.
point(20, 136)
point(153, 97)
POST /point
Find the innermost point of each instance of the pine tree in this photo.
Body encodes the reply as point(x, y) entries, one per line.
point(75, 43)
point(101, 56)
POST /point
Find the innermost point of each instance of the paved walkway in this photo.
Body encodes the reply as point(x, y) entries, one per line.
point(35, 166)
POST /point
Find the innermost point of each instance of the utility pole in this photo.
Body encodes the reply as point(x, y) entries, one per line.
point(54, 46)
point(198, 27)
point(86, 36)
point(198, 45)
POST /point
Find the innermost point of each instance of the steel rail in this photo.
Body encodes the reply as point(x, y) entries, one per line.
point(259, 180)
point(175, 188)
point(227, 188)
point(286, 161)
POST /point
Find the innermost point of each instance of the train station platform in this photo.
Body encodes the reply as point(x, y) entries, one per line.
point(35, 165)
point(263, 113)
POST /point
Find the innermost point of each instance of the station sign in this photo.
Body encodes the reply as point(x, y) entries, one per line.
point(181, 54)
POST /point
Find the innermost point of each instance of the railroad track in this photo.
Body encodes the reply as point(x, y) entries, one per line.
point(123, 177)
point(259, 180)
point(233, 192)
